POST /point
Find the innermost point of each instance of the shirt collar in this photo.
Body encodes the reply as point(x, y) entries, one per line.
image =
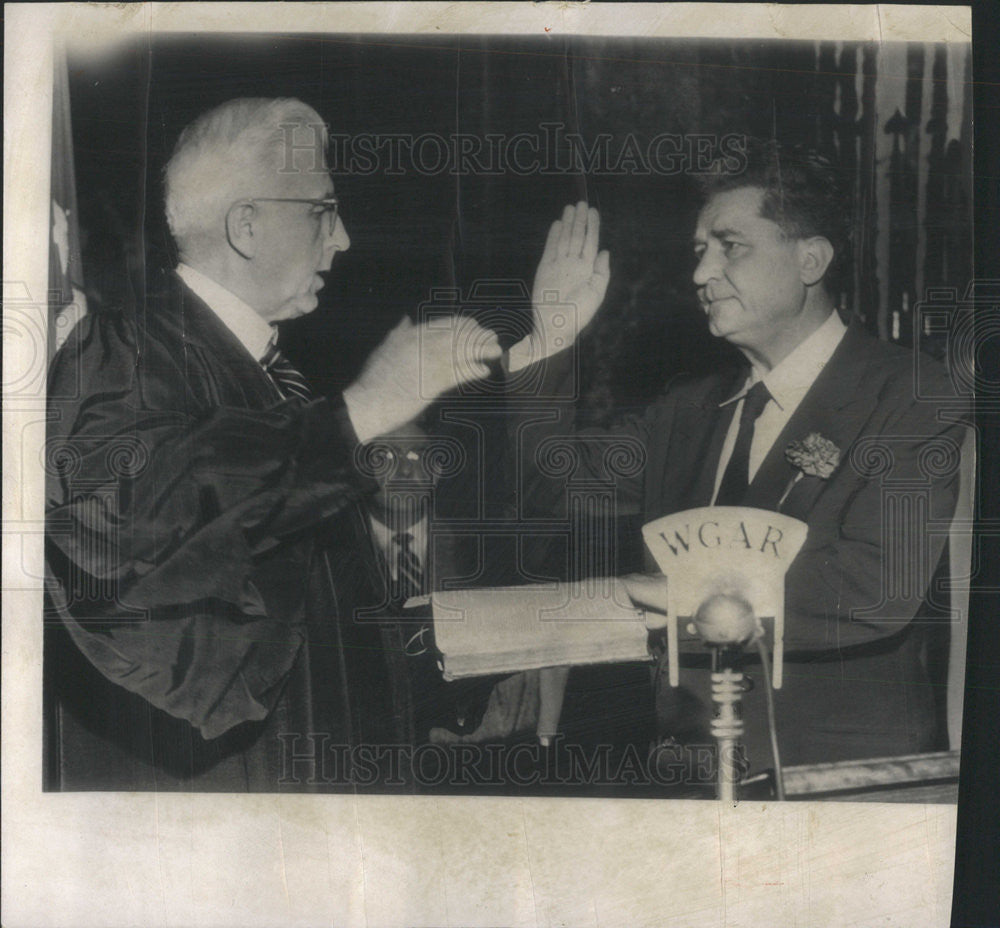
point(253, 332)
point(790, 380)
point(385, 536)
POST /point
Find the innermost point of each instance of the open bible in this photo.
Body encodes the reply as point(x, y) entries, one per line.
point(508, 629)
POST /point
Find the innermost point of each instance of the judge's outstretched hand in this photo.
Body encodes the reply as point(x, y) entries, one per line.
point(570, 282)
point(412, 367)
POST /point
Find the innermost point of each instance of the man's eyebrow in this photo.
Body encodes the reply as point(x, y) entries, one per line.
point(718, 234)
point(725, 233)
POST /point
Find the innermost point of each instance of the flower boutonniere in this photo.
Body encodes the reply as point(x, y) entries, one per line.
point(814, 456)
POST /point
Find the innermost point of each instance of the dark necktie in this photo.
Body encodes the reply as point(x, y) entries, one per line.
point(287, 379)
point(409, 573)
point(736, 479)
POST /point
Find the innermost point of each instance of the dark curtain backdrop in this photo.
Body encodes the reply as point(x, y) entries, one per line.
point(895, 118)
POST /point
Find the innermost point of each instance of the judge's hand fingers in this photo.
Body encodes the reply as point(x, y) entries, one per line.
point(458, 355)
point(578, 233)
point(483, 347)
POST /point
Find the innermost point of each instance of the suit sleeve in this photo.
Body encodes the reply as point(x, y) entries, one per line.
point(552, 449)
point(177, 530)
point(867, 571)
point(875, 539)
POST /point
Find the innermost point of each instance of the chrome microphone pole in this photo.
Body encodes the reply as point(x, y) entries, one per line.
point(726, 622)
point(727, 729)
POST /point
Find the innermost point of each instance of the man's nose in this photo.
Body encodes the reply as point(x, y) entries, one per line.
point(406, 468)
point(707, 268)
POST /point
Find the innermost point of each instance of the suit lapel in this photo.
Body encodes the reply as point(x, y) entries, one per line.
point(371, 555)
point(836, 406)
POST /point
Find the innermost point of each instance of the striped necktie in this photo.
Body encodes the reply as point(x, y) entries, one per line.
point(409, 573)
point(286, 378)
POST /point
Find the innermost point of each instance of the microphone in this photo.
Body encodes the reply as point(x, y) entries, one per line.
point(724, 570)
point(726, 620)
point(724, 566)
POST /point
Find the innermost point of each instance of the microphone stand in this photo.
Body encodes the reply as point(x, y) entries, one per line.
point(722, 588)
point(727, 725)
point(726, 622)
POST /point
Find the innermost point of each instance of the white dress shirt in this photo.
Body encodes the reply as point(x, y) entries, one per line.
point(787, 382)
point(253, 332)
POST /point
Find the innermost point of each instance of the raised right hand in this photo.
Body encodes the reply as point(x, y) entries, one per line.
point(572, 276)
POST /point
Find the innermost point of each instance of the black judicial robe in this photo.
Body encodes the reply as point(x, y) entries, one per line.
point(201, 575)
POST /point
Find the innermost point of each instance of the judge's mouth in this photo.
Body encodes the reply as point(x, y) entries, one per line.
point(310, 292)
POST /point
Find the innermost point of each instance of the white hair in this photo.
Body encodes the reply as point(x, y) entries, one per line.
point(231, 152)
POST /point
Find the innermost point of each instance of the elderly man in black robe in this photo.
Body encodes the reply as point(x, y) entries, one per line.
point(202, 517)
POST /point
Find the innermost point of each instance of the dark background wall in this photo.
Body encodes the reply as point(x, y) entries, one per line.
point(415, 230)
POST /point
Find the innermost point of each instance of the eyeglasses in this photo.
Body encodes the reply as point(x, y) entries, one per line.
point(390, 455)
point(327, 208)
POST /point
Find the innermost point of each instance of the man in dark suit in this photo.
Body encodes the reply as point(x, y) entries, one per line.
point(861, 601)
point(202, 521)
point(413, 553)
point(408, 562)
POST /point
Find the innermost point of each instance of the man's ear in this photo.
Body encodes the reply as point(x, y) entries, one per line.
point(815, 256)
point(240, 228)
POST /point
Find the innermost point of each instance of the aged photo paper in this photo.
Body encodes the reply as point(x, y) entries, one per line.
point(167, 754)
